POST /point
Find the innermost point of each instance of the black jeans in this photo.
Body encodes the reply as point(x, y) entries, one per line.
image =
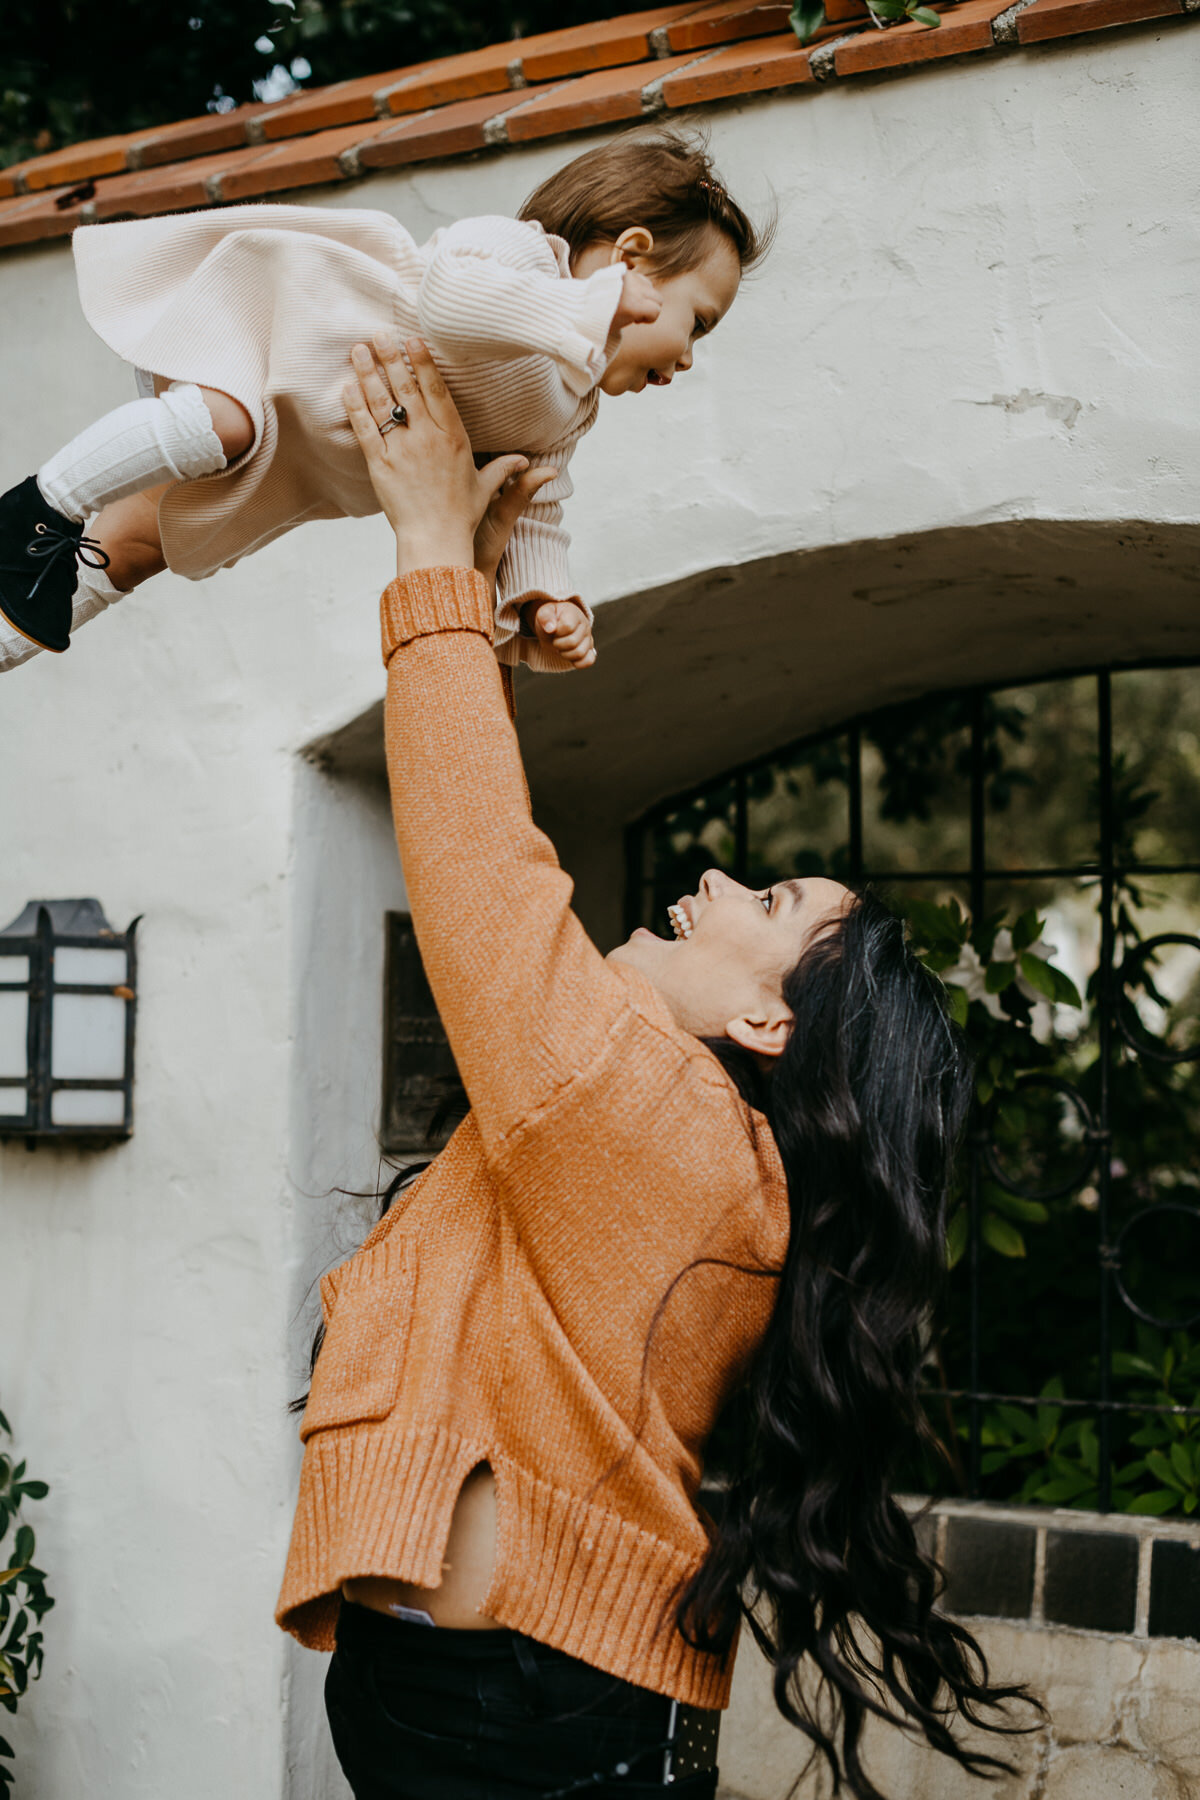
point(431, 1714)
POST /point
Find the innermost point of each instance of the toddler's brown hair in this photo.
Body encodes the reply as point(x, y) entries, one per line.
point(661, 179)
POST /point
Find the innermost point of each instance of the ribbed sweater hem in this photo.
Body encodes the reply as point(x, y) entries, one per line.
point(377, 1501)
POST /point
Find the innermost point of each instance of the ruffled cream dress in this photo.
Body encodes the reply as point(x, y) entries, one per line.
point(265, 302)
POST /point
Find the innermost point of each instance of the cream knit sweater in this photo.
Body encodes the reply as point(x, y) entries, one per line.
point(499, 1313)
point(264, 302)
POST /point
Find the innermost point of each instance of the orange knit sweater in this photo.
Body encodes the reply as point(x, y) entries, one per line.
point(499, 1314)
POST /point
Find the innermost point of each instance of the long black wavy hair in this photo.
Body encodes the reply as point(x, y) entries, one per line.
point(867, 1104)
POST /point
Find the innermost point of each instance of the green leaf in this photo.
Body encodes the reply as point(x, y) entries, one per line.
point(5, 1427)
point(806, 19)
point(1125, 1363)
point(1161, 1500)
point(1027, 930)
point(23, 1547)
point(6, 1748)
point(1182, 1461)
point(924, 15)
point(999, 976)
point(1049, 981)
point(1049, 1418)
point(935, 925)
point(1002, 1237)
point(956, 1237)
point(36, 1490)
point(957, 1005)
point(1067, 1487)
point(1158, 1465)
point(1032, 1211)
point(887, 9)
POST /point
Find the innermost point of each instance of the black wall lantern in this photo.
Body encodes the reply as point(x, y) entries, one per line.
point(67, 1006)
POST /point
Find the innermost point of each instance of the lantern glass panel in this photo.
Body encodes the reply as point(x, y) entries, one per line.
point(13, 1104)
point(87, 1106)
point(13, 968)
point(95, 968)
point(89, 1038)
point(14, 1031)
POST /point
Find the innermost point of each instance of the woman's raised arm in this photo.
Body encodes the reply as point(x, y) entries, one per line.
point(525, 997)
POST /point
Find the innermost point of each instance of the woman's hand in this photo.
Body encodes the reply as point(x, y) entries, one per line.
point(423, 472)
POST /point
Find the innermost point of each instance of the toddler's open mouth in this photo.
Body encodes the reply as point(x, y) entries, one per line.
point(657, 380)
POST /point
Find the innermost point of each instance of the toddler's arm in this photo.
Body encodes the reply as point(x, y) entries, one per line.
point(493, 289)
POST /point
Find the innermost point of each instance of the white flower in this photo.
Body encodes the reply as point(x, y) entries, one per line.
point(970, 972)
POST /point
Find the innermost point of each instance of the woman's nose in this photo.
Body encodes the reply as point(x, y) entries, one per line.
point(715, 882)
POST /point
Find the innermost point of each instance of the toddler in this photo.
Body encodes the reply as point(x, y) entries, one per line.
point(239, 322)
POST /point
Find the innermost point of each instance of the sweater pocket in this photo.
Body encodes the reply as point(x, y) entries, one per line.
point(367, 1304)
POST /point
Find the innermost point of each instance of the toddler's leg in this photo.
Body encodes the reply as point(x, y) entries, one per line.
point(127, 532)
point(186, 432)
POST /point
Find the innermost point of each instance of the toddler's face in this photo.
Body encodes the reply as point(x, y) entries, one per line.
point(693, 304)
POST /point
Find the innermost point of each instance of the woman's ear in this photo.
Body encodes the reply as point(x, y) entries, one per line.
point(635, 245)
point(763, 1033)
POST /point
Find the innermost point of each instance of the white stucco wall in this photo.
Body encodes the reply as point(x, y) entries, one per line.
point(1024, 224)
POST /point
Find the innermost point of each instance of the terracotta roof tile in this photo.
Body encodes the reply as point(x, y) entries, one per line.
point(452, 78)
point(176, 187)
point(204, 136)
point(77, 162)
point(443, 130)
point(31, 217)
point(297, 162)
point(723, 22)
point(342, 103)
point(963, 28)
point(603, 45)
point(742, 69)
point(618, 69)
point(1065, 18)
point(604, 98)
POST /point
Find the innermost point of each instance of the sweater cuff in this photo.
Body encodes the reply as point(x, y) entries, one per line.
point(430, 600)
point(588, 348)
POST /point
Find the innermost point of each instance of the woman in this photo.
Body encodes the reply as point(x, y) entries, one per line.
point(688, 1168)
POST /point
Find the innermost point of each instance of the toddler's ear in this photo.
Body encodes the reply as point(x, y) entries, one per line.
point(635, 245)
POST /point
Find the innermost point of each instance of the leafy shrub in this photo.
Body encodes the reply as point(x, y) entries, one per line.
point(24, 1601)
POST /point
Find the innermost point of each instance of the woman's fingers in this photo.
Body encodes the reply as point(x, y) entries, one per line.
point(400, 376)
point(377, 393)
point(438, 399)
point(361, 419)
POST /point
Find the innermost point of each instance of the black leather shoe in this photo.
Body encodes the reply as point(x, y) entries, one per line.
point(39, 549)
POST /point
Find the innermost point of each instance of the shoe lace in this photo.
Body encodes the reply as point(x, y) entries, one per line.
point(49, 542)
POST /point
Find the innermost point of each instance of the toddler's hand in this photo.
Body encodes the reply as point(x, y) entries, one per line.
point(561, 625)
point(640, 304)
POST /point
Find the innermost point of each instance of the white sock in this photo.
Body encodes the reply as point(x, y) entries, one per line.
point(135, 447)
point(93, 592)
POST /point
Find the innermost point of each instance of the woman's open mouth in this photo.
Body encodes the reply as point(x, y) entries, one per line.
point(681, 925)
point(657, 380)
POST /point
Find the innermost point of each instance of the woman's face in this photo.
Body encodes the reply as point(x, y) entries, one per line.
point(722, 975)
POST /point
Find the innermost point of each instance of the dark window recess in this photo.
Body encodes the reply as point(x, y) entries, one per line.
point(1091, 1580)
point(1074, 795)
point(989, 1568)
point(419, 1072)
point(1175, 1589)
